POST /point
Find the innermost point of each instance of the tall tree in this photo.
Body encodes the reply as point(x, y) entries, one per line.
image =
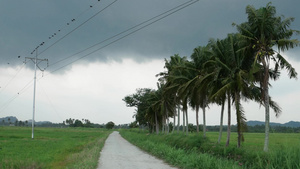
point(139, 100)
point(173, 79)
point(263, 32)
point(235, 69)
point(194, 89)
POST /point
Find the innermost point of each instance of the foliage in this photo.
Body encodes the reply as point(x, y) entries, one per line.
point(140, 101)
point(133, 124)
point(79, 123)
point(262, 32)
point(179, 155)
point(51, 148)
point(109, 125)
point(232, 69)
point(175, 149)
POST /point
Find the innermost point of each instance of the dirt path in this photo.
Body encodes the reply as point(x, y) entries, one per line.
point(118, 153)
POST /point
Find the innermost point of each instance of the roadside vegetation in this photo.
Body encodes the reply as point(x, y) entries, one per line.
point(194, 151)
point(51, 147)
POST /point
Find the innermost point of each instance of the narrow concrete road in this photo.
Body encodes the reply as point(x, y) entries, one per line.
point(118, 153)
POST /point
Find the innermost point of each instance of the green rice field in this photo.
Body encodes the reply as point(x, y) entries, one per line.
point(51, 147)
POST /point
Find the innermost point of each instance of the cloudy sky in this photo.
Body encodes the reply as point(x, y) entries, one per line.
point(99, 52)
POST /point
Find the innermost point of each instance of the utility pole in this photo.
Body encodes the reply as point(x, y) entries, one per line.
point(36, 61)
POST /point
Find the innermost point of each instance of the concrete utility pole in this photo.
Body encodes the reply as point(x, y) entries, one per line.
point(36, 61)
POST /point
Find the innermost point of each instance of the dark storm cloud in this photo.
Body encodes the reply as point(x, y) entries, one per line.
point(25, 24)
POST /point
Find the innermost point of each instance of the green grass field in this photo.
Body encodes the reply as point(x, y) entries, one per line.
point(51, 147)
point(255, 141)
point(80, 147)
point(206, 153)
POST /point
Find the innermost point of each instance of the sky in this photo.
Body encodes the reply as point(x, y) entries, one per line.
point(100, 51)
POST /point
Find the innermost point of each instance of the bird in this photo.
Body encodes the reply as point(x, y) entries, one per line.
point(19, 56)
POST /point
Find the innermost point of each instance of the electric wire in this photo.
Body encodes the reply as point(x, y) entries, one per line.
point(122, 37)
point(77, 27)
point(49, 100)
point(18, 71)
point(168, 13)
point(50, 37)
point(121, 33)
point(66, 25)
point(20, 92)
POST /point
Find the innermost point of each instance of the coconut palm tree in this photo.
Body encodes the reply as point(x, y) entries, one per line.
point(263, 32)
point(173, 78)
point(232, 67)
point(194, 87)
point(180, 76)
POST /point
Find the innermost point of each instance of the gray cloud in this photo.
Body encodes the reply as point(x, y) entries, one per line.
point(26, 24)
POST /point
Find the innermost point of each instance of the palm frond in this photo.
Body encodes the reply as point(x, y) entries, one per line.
point(285, 64)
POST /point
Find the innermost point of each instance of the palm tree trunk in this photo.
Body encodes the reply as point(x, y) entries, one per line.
point(267, 104)
point(156, 124)
point(163, 125)
point(229, 121)
point(204, 122)
point(174, 120)
point(183, 121)
point(152, 128)
point(187, 122)
point(197, 119)
point(267, 121)
point(168, 129)
point(221, 121)
point(238, 117)
point(178, 121)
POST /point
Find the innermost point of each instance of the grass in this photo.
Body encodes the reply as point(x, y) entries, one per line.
point(51, 147)
point(193, 151)
point(177, 150)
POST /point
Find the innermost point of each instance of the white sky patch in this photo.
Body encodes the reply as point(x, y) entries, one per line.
point(95, 91)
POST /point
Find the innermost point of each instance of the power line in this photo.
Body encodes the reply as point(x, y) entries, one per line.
point(78, 26)
point(7, 103)
point(20, 92)
point(18, 71)
point(66, 25)
point(122, 32)
point(182, 6)
point(41, 44)
point(50, 102)
point(160, 17)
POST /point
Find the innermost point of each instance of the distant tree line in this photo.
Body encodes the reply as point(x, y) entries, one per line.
point(15, 123)
point(81, 123)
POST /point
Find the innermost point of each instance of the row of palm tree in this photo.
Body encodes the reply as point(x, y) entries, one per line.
point(230, 70)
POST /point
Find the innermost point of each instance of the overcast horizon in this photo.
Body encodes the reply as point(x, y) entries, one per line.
point(95, 59)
